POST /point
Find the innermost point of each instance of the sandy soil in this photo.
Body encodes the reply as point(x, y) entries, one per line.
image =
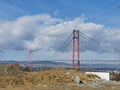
point(68, 87)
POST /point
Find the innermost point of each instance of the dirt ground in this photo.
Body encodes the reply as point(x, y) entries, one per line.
point(112, 87)
point(14, 77)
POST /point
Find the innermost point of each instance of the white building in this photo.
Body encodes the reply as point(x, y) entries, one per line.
point(102, 75)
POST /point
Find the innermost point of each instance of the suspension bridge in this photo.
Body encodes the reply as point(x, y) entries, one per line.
point(74, 40)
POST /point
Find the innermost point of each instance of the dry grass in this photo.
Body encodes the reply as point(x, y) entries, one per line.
point(14, 75)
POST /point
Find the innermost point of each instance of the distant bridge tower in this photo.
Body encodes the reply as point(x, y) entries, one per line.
point(75, 48)
point(30, 58)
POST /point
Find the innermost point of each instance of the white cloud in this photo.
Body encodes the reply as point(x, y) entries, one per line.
point(45, 32)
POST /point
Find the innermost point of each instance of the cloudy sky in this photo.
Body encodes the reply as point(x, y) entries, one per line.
point(44, 25)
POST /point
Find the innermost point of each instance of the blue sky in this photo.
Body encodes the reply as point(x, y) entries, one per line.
point(103, 14)
point(98, 11)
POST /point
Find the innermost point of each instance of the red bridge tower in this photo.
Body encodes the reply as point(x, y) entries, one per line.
point(75, 48)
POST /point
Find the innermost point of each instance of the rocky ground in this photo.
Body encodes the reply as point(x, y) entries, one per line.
point(15, 77)
point(115, 86)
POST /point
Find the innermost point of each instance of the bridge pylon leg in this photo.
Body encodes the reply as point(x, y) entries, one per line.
point(75, 42)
